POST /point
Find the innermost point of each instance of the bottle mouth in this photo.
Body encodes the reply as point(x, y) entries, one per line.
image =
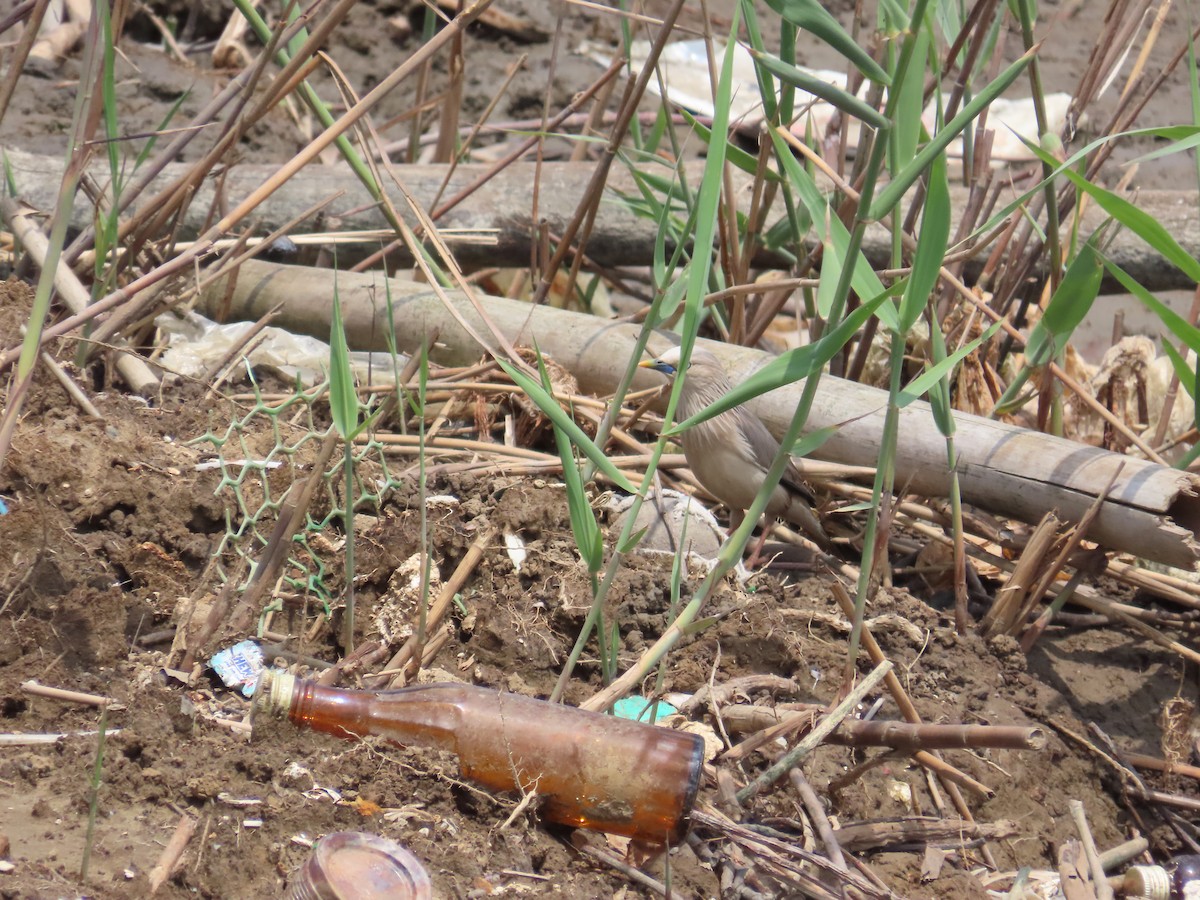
point(273, 693)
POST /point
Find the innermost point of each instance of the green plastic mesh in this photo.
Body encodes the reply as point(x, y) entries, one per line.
point(264, 451)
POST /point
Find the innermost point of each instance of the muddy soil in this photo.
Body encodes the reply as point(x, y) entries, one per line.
point(111, 527)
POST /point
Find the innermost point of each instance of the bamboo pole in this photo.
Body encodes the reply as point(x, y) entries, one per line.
point(1151, 511)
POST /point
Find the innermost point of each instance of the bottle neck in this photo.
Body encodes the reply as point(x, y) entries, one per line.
point(427, 715)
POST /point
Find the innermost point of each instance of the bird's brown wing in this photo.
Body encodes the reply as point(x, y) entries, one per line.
point(763, 446)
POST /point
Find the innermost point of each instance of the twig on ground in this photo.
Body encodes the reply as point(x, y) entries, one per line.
point(1161, 765)
point(722, 693)
point(74, 391)
point(814, 738)
point(816, 812)
point(744, 718)
point(859, 837)
point(41, 690)
point(896, 689)
point(635, 875)
point(168, 860)
point(1069, 546)
point(133, 369)
point(29, 740)
point(785, 859)
point(1103, 890)
point(1123, 853)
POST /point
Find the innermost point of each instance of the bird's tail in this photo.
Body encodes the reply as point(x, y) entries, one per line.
point(801, 514)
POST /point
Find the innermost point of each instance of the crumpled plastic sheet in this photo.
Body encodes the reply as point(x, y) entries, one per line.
point(195, 344)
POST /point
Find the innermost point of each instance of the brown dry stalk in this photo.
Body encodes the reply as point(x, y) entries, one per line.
point(1069, 546)
point(515, 154)
point(291, 518)
point(857, 837)
point(1005, 612)
point(16, 60)
point(41, 690)
point(1161, 765)
point(468, 140)
point(581, 223)
point(272, 184)
point(1103, 889)
point(822, 729)
point(1074, 386)
point(785, 859)
point(637, 876)
point(816, 812)
point(133, 369)
point(927, 759)
point(744, 718)
point(1164, 586)
point(168, 860)
point(1103, 605)
point(153, 214)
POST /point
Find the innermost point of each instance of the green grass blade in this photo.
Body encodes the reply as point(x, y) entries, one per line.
point(935, 373)
point(588, 538)
point(10, 178)
point(819, 87)
point(910, 102)
point(931, 246)
point(1066, 309)
point(1193, 82)
point(343, 401)
point(792, 366)
point(812, 17)
point(1187, 376)
point(813, 441)
point(904, 179)
point(766, 85)
point(1178, 325)
point(865, 282)
point(1183, 138)
point(148, 147)
point(831, 272)
point(108, 91)
point(708, 200)
point(1140, 223)
point(557, 415)
point(1071, 161)
point(747, 162)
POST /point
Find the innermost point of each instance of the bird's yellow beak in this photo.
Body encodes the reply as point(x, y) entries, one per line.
point(647, 364)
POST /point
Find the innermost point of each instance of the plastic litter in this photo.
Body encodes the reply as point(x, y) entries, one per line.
point(639, 709)
point(685, 72)
point(239, 666)
point(195, 343)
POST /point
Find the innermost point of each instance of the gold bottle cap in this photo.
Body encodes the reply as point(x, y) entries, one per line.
point(1150, 882)
point(273, 692)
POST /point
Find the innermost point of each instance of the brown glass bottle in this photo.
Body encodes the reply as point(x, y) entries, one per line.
point(590, 770)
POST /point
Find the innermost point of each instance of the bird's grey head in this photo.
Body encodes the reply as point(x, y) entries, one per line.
point(667, 362)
